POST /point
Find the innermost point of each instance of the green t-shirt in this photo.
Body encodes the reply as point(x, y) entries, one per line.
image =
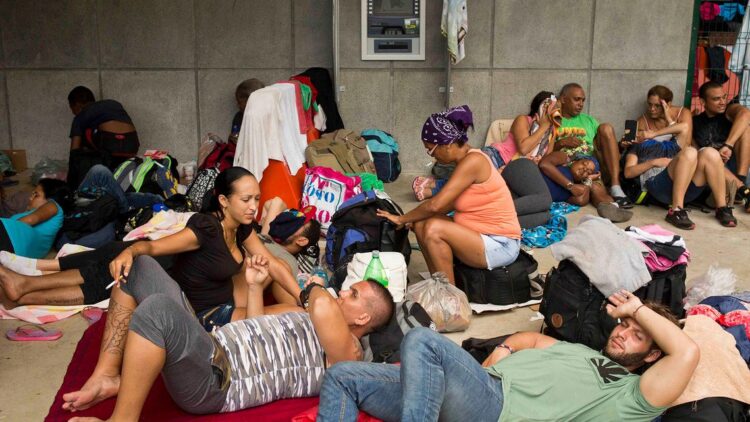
point(568, 382)
point(581, 126)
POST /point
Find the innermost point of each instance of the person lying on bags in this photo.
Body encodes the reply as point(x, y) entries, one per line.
point(528, 377)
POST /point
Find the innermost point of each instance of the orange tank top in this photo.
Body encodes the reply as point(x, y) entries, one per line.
point(487, 207)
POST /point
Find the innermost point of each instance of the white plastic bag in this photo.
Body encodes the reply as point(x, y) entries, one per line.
point(447, 305)
point(716, 281)
point(395, 269)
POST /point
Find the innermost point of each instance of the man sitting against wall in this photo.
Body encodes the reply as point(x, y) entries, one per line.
point(581, 134)
point(102, 132)
point(724, 127)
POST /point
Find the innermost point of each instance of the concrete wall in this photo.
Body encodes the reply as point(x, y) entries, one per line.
point(174, 63)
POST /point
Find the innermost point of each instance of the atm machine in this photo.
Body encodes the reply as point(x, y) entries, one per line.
point(393, 29)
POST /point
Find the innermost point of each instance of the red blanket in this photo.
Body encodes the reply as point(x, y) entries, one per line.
point(159, 406)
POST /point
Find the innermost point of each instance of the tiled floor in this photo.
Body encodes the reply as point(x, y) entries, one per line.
point(31, 373)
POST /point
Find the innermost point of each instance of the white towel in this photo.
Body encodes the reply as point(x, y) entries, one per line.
point(740, 61)
point(454, 26)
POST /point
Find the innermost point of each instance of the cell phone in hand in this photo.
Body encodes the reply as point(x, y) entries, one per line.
point(631, 127)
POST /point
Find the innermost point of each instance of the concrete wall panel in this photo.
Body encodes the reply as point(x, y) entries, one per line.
point(642, 34)
point(513, 90)
point(415, 97)
point(436, 55)
point(216, 95)
point(143, 33)
point(543, 34)
point(471, 87)
point(620, 95)
point(313, 34)
point(48, 33)
point(39, 114)
point(479, 38)
point(366, 101)
point(4, 128)
point(162, 106)
point(244, 33)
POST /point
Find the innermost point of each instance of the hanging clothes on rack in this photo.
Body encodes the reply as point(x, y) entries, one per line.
point(271, 130)
point(739, 63)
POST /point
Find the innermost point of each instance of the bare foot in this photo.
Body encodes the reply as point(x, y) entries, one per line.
point(12, 283)
point(7, 303)
point(96, 389)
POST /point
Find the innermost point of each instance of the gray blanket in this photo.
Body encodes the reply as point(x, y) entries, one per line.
point(608, 256)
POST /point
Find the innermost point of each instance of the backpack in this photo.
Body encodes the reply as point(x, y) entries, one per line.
point(342, 150)
point(574, 309)
point(221, 157)
point(385, 343)
point(88, 215)
point(668, 288)
point(500, 286)
point(355, 227)
point(384, 151)
point(481, 348)
point(200, 191)
point(147, 175)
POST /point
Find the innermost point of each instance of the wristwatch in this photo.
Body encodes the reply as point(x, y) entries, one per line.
point(569, 186)
point(304, 295)
point(505, 346)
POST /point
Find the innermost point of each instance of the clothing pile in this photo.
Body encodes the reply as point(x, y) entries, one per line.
point(662, 249)
point(731, 312)
point(279, 117)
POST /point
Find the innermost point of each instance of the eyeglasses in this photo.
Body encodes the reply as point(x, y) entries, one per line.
point(431, 151)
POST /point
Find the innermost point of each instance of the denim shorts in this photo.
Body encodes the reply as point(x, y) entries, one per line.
point(500, 251)
point(216, 316)
point(660, 188)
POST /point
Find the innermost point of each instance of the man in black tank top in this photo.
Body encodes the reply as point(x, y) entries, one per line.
point(725, 127)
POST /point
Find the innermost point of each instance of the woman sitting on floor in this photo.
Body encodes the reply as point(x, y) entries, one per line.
point(484, 232)
point(516, 157)
point(32, 233)
point(207, 254)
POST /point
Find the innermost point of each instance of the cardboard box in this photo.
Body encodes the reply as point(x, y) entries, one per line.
point(18, 158)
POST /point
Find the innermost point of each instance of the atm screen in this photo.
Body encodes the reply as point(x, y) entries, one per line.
point(393, 7)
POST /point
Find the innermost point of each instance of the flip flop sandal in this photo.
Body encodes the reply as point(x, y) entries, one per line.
point(92, 314)
point(33, 332)
point(420, 182)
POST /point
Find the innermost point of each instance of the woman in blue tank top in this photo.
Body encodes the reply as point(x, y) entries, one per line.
point(31, 233)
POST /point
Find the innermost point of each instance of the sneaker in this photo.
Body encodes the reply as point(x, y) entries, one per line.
point(725, 217)
point(613, 213)
point(623, 202)
point(537, 282)
point(678, 217)
point(742, 195)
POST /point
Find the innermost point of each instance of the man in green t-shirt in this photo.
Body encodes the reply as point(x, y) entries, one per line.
point(580, 134)
point(529, 377)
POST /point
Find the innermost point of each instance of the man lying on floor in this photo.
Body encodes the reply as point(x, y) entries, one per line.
point(529, 377)
point(150, 329)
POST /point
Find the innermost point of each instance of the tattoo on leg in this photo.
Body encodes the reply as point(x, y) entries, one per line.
point(116, 330)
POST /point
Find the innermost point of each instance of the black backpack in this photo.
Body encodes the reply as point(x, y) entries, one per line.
point(355, 227)
point(89, 215)
point(385, 343)
point(667, 288)
point(574, 309)
point(500, 286)
point(481, 348)
point(199, 192)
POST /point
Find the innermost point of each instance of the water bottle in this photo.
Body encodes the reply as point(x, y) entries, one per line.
point(375, 270)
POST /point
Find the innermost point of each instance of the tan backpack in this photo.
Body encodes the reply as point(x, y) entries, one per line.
point(342, 150)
